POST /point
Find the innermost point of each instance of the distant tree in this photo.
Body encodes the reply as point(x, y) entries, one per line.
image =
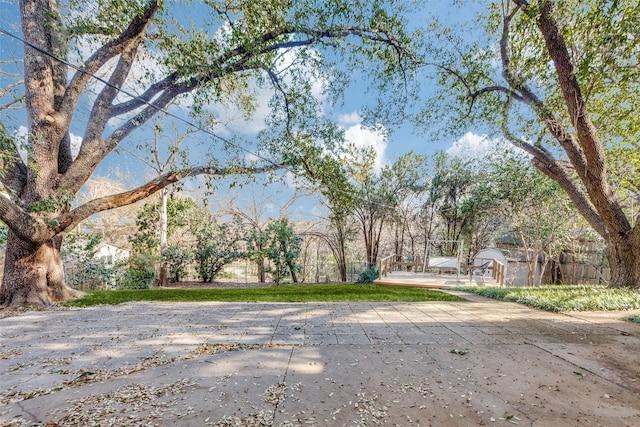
point(162, 155)
point(283, 250)
point(457, 200)
point(216, 246)
point(250, 215)
point(407, 179)
point(537, 209)
point(256, 250)
point(374, 200)
point(180, 212)
point(327, 176)
point(177, 259)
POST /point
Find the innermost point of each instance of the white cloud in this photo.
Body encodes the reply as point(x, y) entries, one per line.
point(232, 119)
point(350, 119)
point(470, 145)
point(362, 136)
point(474, 146)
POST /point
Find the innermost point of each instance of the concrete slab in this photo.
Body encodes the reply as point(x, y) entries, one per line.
point(326, 364)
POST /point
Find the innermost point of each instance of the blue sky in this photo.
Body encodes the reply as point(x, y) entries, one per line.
point(348, 112)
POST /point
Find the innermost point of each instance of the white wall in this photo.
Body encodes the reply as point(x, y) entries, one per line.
point(111, 254)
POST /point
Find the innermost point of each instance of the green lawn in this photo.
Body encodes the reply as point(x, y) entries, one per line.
point(299, 293)
point(565, 298)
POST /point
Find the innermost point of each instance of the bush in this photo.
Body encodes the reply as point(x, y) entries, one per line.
point(565, 298)
point(211, 260)
point(368, 276)
point(177, 260)
point(90, 275)
point(139, 274)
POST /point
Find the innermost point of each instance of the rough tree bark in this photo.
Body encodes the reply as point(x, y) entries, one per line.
point(34, 274)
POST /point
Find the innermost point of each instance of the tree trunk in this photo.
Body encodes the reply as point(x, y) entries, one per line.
point(292, 270)
point(163, 237)
point(543, 268)
point(624, 260)
point(34, 274)
point(163, 277)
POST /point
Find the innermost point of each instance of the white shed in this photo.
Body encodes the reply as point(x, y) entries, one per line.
point(489, 254)
point(486, 254)
point(111, 255)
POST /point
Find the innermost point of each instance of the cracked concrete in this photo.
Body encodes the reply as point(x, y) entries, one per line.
point(481, 362)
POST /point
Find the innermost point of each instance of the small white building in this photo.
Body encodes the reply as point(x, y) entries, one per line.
point(110, 255)
point(488, 255)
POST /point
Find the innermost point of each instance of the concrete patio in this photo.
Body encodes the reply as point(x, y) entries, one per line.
point(472, 363)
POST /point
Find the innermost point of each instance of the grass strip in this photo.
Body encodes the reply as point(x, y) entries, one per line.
point(564, 298)
point(289, 293)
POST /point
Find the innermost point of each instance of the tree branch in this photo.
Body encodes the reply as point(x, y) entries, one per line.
point(228, 62)
point(566, 140)
point(83, 167)
point(145, 98)
point(75, 216)
point(586, 153)
point(136, 28)
point(98, 118)
point(24, 225)
point(276, 82)
point(547, 164)
point(224, 65)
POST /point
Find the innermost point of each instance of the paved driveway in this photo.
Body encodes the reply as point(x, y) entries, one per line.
point(474, 363)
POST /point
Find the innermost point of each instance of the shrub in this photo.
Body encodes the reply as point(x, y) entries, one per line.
point(368, 276)
point(177, 260)
point(140, 273)
point(212, 259)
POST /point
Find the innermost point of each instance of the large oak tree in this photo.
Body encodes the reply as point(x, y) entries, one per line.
point(232, 45)
point(560, 80)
